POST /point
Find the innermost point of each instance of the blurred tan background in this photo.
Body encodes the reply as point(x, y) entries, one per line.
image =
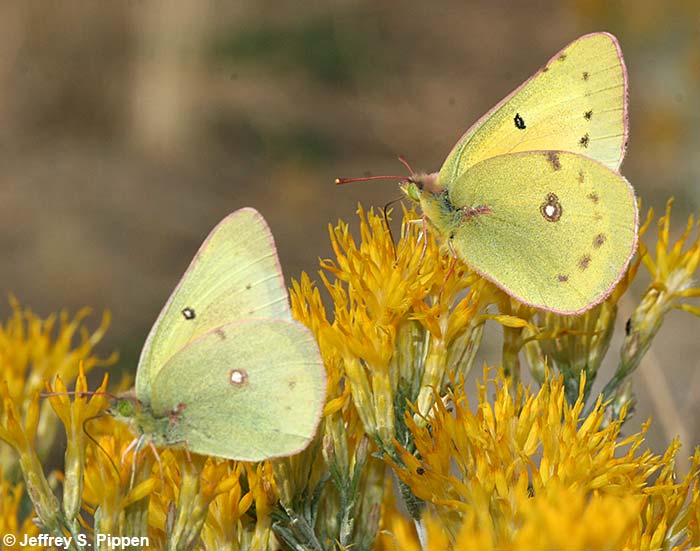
point(129, 128)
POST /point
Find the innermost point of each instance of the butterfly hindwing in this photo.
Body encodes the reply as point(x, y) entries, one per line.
point(255, 390)
point(552, 228)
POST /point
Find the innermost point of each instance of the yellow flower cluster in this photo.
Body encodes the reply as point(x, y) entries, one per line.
point(533, 462)
point(402, 460)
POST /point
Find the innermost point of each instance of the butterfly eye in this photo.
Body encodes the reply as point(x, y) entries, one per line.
point(125, 408)
point(413, 190)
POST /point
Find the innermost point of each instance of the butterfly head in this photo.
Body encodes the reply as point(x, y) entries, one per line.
point(417, 185)
point(125, 407)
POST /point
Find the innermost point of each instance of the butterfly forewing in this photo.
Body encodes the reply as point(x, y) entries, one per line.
point(254, 390)
point(577, 102)
point(235, 275)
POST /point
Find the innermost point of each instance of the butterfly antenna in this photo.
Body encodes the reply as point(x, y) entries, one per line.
point(78, 393)
point(404, 162)
point(340, 181)
point(94, 441)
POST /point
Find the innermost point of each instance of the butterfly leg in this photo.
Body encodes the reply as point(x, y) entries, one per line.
point(136, 446)
point(160, 463)
point(450, 270)
point(422, 236)
point(129, 448)
point(187, 452)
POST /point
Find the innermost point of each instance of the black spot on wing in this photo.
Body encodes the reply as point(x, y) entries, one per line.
point(585, 140)
point(188, 313)
point(588, 115)
point(519, 122)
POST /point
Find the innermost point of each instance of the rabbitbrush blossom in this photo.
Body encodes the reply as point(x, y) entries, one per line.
point(406, 456)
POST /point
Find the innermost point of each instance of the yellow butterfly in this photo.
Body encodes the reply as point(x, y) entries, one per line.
point(530, 196)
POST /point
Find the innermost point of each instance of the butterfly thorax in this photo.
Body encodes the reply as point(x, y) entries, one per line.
point(142, 420)
point(443, 216)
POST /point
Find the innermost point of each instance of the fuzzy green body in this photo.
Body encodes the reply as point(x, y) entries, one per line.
point(142, 420)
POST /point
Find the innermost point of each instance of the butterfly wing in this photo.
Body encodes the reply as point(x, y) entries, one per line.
point(235, 275)
point(577, 102)
point(555, 230)
point(247, 390)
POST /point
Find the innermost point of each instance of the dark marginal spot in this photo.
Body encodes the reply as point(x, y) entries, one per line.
point(588, 115)
point(545, 69)
point(584, 141)
point(598, 240)
point(561, 278)
point(561, 57)
point(585, 75)
point(628, 327)
point(581, 176)
point(248, 287)
point(188, 313)
point(584, 262)
point(220, 333)
point(553, 159)
point(551, 209)
point(238, 377)
point(420, 470)
point(593, 196)
point(519, 122)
